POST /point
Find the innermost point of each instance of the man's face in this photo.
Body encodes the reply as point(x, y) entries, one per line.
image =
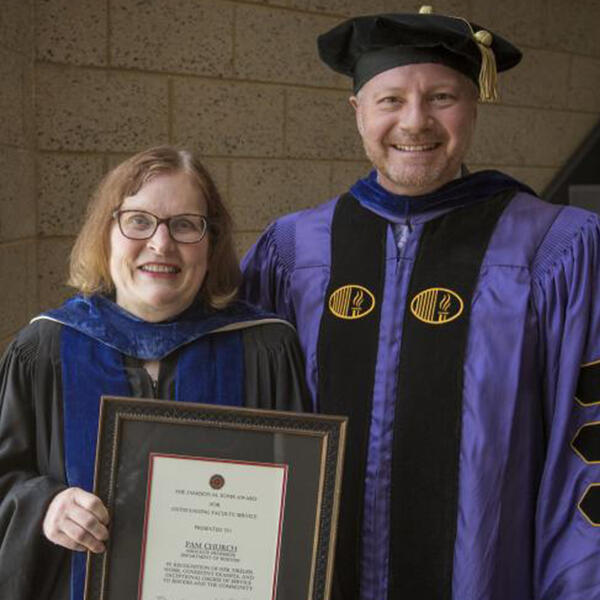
point(416, 123)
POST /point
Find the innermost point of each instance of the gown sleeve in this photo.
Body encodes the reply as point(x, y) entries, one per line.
point(274, 369)
point(266, 270)
point(566, 295)
point(30, 471)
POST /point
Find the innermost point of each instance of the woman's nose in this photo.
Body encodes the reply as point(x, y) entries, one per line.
point(161, 239)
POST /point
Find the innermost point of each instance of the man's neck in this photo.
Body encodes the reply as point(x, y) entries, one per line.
point(382, 181)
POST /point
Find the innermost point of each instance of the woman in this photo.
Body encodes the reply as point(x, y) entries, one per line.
point(156, 317)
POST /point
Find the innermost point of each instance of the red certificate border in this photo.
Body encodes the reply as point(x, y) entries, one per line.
point(154, 455)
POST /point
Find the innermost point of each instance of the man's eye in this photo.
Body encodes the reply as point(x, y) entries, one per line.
point(442, 97)
point(389, 102)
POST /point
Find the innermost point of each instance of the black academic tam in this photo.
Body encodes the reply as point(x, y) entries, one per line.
point(365, 46)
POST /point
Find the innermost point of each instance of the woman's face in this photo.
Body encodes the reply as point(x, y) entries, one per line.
point(157, 278)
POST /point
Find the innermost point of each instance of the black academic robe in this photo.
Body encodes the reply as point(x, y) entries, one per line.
point(32, 469)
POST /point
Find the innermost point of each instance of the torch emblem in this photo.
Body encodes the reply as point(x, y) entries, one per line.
point(437, 306)
point(351, 302)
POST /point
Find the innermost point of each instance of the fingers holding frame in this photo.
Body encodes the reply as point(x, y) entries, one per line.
point(77, 520)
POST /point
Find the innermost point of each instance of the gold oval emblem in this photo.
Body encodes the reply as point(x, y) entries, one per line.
point(437, 306)
point(351, 302)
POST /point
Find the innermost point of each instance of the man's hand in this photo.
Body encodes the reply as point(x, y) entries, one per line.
point(77, 520)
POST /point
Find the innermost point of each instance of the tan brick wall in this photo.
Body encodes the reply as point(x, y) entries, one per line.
point(18, 218)
point(240, 82)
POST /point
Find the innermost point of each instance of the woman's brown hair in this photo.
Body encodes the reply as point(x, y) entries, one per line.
point(89, 266)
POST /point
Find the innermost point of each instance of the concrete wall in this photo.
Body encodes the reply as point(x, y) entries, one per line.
point(240, 82)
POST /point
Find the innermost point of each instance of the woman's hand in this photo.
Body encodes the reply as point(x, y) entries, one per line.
point(76, 520)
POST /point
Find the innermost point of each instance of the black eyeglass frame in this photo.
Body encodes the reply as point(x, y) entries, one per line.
point(116, 214)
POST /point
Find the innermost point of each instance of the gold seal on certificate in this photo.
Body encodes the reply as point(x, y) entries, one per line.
point(215, 503)
point(205, 539)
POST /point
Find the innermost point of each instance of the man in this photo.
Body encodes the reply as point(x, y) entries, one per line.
point(455, 318)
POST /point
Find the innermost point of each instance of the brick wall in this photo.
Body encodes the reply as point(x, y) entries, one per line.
point(240, 82)
point(18, 289)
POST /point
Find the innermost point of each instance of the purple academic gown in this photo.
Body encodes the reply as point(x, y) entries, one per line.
point(535, 322)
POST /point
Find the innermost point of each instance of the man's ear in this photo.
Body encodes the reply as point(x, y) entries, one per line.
point(354, 104)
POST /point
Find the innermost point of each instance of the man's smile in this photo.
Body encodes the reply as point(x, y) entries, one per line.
point(416, 147)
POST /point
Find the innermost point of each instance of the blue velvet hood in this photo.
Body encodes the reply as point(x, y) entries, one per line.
point(100, 318)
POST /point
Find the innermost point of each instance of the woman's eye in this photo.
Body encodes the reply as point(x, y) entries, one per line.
point(183, 225)
point(140, 221)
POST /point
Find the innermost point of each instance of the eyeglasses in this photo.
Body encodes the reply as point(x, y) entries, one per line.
point(141, 225)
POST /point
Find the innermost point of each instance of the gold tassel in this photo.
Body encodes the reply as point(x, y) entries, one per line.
point(488, 74)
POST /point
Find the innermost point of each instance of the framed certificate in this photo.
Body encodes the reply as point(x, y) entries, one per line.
point(211, 502)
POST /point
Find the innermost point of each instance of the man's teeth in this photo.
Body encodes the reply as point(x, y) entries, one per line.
point(159, 268)
point(414, 148)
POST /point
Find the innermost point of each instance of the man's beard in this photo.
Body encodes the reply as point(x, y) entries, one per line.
point(415, 176)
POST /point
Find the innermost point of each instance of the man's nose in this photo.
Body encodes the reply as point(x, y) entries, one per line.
point(415, 117)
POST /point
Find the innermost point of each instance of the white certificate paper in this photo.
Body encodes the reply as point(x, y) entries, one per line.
point(212, 529)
